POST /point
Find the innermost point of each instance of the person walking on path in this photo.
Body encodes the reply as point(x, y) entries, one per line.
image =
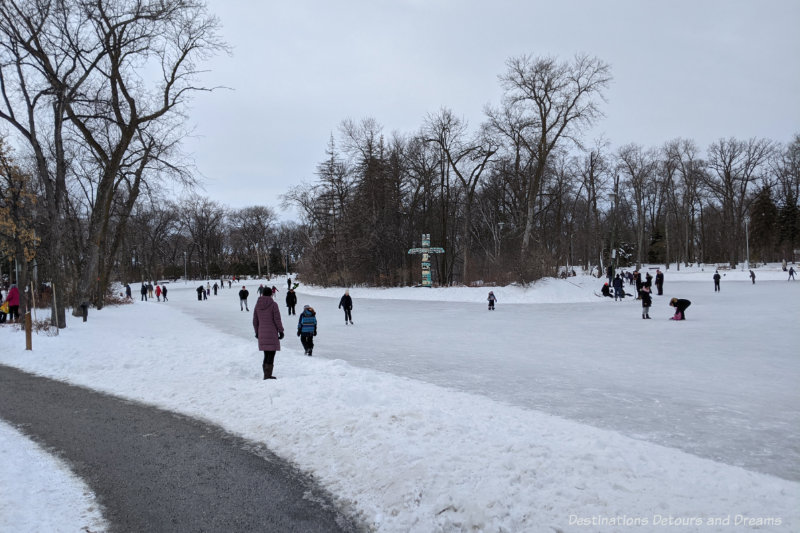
point(307, 328)
point(680, 306)
point(269, 331)
point(291, 301)
point(659, 281)
point(717, 277)
point(164, 292)
point(647, 301)
point(791, 273)
point(243, 294)
point(158, 293)
point(13, 303)
point(492, 299)
point(144, 292)
point(347, 303)
point(753, 277)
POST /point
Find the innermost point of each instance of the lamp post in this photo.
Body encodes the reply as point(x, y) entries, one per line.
point(747, 240)
point(185, 277)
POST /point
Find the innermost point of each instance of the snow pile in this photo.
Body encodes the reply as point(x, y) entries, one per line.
point(413, 455)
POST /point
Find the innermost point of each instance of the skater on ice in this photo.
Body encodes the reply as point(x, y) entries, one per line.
point(291, 301)
point(347, 303)
point(492, 299)
point(243, 294)
point(619, 290)
point(680, 305)
point(307, 328)
point(717, 277)
point(647, 301)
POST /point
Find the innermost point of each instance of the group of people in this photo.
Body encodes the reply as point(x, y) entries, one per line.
point(148, 291)
point(643, 291)
point(268, 326)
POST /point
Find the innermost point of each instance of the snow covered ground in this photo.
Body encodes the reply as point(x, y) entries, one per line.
point(559, 411)
point(38, 492)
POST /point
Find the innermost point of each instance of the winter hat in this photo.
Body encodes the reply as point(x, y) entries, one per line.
point(306, 306)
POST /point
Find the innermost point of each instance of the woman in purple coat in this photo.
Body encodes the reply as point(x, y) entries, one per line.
point(269, 330)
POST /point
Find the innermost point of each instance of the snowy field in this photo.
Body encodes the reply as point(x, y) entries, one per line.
point(559, 411)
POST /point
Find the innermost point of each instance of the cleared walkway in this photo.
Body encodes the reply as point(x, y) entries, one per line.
point(153, 470)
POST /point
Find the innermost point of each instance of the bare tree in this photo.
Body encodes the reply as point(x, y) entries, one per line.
point(255, 225)
point(90, 59)
point(557, 99)
point(734, 166)
point(468, 159)
point(638, 166)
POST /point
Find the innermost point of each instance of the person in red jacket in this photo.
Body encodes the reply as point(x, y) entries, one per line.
point(13, 303)
point(269, 330)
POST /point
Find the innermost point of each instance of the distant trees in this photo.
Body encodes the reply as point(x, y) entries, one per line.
point(96, 90)
point(94, 94)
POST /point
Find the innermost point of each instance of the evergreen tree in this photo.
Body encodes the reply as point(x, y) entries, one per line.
point(763, 224)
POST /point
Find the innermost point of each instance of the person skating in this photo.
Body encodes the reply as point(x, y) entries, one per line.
point(680, 306)
point(158, 293)
point(647, 301)
point(288, 283)
point(492, 299)
point(619, 289)
point(243, 294)
point(164, 292)
point(307, 328)
point(200, 292)
point(269, 331)
point(753, 277)
point(143, 291)
point(717, 277)
point(791, 273)
point(291, 301)
point(659, 281)
point(347, 303)
point(215, 287)
point(128, 292)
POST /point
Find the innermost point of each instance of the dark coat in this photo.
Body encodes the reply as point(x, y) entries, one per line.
point(681, 305)
point(243, 294)
point(346, 302)
point(267, 323)
point(291, 298)
point(644, 295)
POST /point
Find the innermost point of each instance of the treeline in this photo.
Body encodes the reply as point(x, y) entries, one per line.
point(93, 96)
point(520, 196)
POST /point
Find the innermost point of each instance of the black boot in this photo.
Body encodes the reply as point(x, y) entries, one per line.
point(268, 372)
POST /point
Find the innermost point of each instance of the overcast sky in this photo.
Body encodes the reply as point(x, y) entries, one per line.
point(695, 69)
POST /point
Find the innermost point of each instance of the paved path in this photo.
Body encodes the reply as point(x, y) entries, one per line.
point(158, 471)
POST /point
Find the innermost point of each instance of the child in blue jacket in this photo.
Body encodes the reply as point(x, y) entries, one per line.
point(307, 328)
